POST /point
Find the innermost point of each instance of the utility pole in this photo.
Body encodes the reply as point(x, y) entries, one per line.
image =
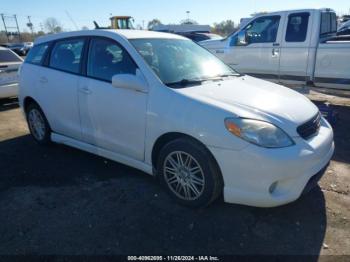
point(19, 34)
point(3, 20)
point(11, 29)
point(30, 25)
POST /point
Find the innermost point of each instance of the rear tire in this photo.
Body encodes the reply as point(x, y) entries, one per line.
point(190, 173)
point(38, 126)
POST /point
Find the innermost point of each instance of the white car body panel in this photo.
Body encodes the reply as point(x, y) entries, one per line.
point(124, 125)
point(333, 62)
point(324, 64)
point(58, 94)
point(9, 77)
point(114, 131)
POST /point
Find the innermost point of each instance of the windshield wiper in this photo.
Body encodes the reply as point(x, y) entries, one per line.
point(185, 82)
point(227, 75)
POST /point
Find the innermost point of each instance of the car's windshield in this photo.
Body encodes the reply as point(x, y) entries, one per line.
point(181, 61)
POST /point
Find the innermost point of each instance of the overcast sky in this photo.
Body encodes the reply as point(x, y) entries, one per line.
point(84, 12)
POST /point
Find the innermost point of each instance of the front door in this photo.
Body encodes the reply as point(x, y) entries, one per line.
point(259, 54)
point(112, 118)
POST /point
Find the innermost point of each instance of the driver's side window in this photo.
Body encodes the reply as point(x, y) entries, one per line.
point(261, 30)
point(106, 59)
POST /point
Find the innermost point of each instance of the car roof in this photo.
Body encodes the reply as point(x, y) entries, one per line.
point(292, 11)
point(127, 34)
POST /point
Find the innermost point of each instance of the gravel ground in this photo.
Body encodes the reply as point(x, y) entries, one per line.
point(59, 200)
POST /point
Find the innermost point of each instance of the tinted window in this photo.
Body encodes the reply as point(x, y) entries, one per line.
point(107, 58)
point(198, 38)
point(8, 56)
point(263, 30)
point(36, 54)
point(66, 55)
point(297, 27)
point(328, 23)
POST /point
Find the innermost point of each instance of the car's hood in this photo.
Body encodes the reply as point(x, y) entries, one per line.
point(250, 97)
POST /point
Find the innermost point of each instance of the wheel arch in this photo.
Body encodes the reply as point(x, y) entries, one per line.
point(30, 100)
point(171, 136)
point(27, 101)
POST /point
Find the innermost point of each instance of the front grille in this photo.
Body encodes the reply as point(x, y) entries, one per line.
point(310, 128)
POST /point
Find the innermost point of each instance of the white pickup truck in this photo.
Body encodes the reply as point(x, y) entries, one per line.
point(289, 47)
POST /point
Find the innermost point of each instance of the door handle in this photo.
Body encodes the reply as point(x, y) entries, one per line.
point(275, 52)
point(276, 44)
point(43, 80)
point(85, 90)
point(220, 51)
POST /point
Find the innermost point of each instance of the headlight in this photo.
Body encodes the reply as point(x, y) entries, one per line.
point(258, 132)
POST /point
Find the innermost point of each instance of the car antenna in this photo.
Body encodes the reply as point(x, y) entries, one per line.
point(96, 25)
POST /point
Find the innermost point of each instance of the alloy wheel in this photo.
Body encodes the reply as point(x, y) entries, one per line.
point(37, 124)
point(184, 176)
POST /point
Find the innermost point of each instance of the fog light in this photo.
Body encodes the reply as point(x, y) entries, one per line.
point(273, 187)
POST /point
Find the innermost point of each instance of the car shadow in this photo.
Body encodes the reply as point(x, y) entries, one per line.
point(65, 201)
point(25, 163)
point(342, 135)
point(8, 104)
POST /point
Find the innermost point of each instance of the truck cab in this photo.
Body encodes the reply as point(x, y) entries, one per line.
point(283, 47)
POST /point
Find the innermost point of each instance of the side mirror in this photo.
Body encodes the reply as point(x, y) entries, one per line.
point(242, 38)
point(129, 81)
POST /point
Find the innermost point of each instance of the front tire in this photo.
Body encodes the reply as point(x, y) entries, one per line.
point(189, 173)
point(38, 126)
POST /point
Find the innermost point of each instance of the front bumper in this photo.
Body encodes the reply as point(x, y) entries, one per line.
point(249, 174)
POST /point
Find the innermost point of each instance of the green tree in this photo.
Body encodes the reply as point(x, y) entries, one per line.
point(153, 23)
point(188, 22)
point(52, 25)
point(224, 28)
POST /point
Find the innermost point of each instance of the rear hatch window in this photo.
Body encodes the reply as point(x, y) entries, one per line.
point(7, 56)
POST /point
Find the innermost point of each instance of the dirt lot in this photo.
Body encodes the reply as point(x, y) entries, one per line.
point(59, 200)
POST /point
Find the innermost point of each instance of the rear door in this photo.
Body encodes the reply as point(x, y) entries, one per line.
point(260, 54)
point(9, 65)
point(58, 86)
point(296, 52)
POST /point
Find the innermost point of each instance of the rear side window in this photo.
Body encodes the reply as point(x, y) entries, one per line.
point(328, 23)
point(6, 56)
point(107, 58)
point(66, 55)
point(297, 27)
point(37, 54)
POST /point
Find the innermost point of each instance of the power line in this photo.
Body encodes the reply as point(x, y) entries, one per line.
point(71, 19)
